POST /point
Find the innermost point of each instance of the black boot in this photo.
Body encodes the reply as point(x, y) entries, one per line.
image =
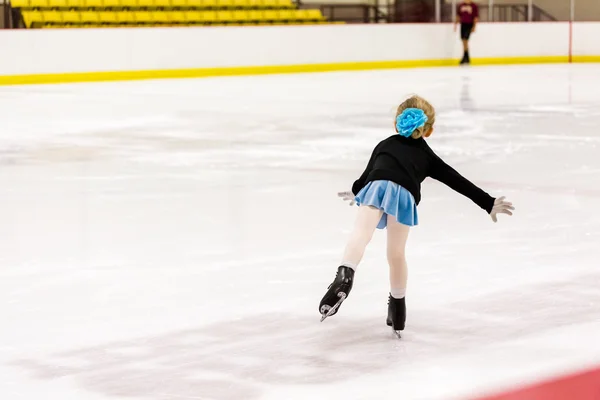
point(465, 57)
point(337, 292)
point(396, 314)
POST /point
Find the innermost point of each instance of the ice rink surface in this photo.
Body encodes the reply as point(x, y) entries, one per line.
point(172, 239)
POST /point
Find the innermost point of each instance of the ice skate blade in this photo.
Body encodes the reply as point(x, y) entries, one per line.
point(398, 334)
point(342, 297)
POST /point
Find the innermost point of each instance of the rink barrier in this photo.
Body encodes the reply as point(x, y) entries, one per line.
point(70, 55)
point(586, 59)
point(582, 385)
point(77, 77)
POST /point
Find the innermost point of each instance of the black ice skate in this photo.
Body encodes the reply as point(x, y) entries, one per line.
point(396, 314)
point(337, 292)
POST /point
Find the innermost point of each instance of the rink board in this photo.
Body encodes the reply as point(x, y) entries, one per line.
point(583, 385)
point(276, 69)
point(55, 56)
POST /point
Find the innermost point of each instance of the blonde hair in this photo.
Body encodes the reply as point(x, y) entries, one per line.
point(418, 102)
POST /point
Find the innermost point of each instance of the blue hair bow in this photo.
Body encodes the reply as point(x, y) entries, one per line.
point(409, 120)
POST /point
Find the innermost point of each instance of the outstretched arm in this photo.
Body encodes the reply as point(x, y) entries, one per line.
point(449, 176)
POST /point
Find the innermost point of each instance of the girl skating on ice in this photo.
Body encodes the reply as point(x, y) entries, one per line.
point(388, 193)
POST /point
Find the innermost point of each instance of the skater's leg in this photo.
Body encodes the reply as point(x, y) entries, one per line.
point(366, 222)
point(396, 253)
point(397, 235)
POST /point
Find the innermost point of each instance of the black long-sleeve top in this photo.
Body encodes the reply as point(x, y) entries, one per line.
point(408, 162)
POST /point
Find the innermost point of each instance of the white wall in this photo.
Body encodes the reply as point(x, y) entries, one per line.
point(586, 39)
point(521, 40)
point(55, 51)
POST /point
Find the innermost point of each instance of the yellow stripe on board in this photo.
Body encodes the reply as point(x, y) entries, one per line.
point(584, 59)
point(520, 60)
point(275, 69)
point(208, 72)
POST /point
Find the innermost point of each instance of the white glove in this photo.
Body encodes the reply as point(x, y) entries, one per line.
point(347, 196)
point(501, 206)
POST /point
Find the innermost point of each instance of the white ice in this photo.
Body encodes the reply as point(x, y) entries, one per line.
point(172, 239)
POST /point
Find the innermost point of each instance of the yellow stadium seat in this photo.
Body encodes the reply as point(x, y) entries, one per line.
point(298, 15)
point(301, 15)
point(112, 4)
point(176, 17)
point(194, 4)
point(32, 17)
point(20, 3)
point(225, 4)
point(90, 17)
point(98, 4)
point(38, 3)
point(269, 3)
point(305, 15)
point(284, 3)
point(314, 15)
point(209, 17)
point(145, 3)
point(271, 15)
point(71, 17)
point(240, 3)
point(57, 3)
point(240, 16)
point(209, 4)
point(194, 17)
point(224, 17)
point(254, 15)
point(51, 17)
point(287, 15)
point(143, 17)
point(108, 17)
point(179, 3)
point(160, 17)
point(130, 4)
point(125, 17)
point(75, 4)
point(162, 3)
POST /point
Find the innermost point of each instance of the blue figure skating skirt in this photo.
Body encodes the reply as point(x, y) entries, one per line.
point(392, 199)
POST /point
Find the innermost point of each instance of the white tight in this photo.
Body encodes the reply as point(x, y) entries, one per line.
point(397, 235)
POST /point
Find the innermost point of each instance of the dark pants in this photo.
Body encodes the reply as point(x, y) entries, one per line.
point(465, 31)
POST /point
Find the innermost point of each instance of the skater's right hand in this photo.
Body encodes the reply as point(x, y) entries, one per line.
point(347, 196)
point(501, 206)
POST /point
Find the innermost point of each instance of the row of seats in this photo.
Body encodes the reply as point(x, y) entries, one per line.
point(34, 19)
point(151, 4)
point(151, 25)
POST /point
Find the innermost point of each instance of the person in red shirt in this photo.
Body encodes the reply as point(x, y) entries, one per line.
point(467, 15)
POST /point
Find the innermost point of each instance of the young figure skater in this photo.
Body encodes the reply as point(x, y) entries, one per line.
point(388, 193)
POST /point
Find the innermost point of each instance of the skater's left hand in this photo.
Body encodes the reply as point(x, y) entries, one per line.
point(501, 206)
point(347, 196)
